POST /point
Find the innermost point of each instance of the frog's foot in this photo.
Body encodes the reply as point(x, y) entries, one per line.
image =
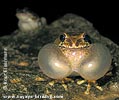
point(62, 81)
point(98, 87)
point(57, 81)
point(89, 85)
point(81, 82)
point(88, 88)
point(51, 83)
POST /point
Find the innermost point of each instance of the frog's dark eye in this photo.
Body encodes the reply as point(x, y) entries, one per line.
point(87, 38)
point(62, 37)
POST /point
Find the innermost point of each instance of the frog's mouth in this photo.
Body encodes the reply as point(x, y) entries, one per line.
point(74, 45)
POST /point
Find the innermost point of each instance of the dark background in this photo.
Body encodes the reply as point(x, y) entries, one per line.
point(104, 16)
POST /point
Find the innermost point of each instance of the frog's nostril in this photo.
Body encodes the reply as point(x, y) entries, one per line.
point(77, 42)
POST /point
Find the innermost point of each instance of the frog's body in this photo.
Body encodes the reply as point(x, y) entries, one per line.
point(91, 63)
point(29, 21)
point(74, 55)
point(74, 58)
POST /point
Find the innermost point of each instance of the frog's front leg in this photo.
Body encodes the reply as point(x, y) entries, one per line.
point(53, 63)
point(62, 82)
point(89, 85)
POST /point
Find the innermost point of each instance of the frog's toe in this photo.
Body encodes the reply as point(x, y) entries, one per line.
point(98, 87)
point(79, 82)
point(65, 87)
point(88, 88)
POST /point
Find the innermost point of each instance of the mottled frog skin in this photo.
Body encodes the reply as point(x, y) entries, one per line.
point(74, 55)
point(29, 21)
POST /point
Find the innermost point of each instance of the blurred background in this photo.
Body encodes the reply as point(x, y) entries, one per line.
point(102, 15)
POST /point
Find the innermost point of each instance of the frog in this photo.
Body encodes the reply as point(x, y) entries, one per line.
point(29, 21)
point(75, 55)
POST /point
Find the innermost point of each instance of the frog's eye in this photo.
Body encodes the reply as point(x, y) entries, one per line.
point(62, 37)
point(87, 38)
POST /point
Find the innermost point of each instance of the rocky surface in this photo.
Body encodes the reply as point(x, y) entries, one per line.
point(25, 79)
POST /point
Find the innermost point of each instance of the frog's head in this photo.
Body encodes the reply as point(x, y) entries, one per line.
point(26, 15)
point(76, 41)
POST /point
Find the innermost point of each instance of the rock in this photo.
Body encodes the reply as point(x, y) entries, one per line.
point(24, 48)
